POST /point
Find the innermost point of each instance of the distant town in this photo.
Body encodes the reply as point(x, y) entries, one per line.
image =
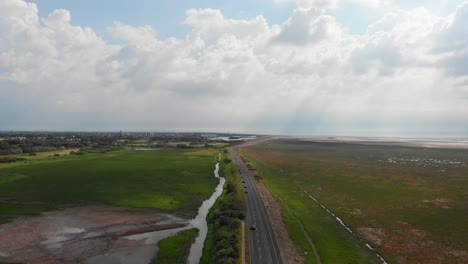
point(29, 143)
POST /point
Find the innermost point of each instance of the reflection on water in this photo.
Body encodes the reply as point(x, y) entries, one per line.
point(200, 221)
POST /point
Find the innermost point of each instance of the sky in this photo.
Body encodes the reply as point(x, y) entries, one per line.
point(300, 67)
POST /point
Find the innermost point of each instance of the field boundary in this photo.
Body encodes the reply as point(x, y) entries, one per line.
point(367, 243)
point(306, 235)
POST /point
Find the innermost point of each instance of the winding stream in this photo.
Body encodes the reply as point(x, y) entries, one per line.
point(144, 253)
point(199, 221)
point(100, 234)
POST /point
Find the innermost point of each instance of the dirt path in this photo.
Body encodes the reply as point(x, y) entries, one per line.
point(306, 235)
point(288, 251)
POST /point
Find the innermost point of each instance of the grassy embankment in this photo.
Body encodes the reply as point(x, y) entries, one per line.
point(224, 239)
point(171, 179)
point(411, 212)
point(176, 249)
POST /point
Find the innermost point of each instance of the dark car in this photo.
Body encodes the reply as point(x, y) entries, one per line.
point(253, 227)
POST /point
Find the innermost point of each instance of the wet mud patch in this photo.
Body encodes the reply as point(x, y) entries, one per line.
point(89, 234)
point(411, 245)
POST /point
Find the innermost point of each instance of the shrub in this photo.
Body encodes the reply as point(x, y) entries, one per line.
point(10, 160)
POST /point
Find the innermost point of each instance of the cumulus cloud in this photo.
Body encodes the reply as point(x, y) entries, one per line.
point(310, 74)
point(307, 26)
point(373, 4)
point(451, 43)
point(211, 24)
point(319, 4)
point(453, 36)
point(333, 4)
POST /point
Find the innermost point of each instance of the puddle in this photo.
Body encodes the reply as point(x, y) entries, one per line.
point(72, 230)
point(76, 235)
point(100, 234)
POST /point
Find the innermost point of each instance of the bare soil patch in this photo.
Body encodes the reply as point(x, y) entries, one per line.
point(76, 235)
point(412, 245)
point(60, 152)
point(439, 202)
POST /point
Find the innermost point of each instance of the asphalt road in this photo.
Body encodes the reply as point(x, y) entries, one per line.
point(263, 248)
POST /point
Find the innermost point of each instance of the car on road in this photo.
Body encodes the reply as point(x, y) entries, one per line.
point(253, 227)
point(246, 192)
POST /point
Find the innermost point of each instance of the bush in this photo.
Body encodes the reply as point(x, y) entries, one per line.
point(224, 220)
point(10, 160)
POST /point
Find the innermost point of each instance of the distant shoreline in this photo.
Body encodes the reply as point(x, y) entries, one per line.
point(443, 142)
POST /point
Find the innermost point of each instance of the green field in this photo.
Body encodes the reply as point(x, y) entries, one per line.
point(409, 203)
point(171, 179)
point(176, 249)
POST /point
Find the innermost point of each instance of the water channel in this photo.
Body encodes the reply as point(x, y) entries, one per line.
point(200, 220)
point(145, 253)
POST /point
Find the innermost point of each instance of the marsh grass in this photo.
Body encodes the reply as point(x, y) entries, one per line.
point(171, 180)
point(414, 205)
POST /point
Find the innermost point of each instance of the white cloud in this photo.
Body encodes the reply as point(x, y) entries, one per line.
point(451, 43)
point(307, 26)
point(307, 75)
point(373, 4)
point(333, 4)
point(210, 24)
point(319, 4)
point(135, 35)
